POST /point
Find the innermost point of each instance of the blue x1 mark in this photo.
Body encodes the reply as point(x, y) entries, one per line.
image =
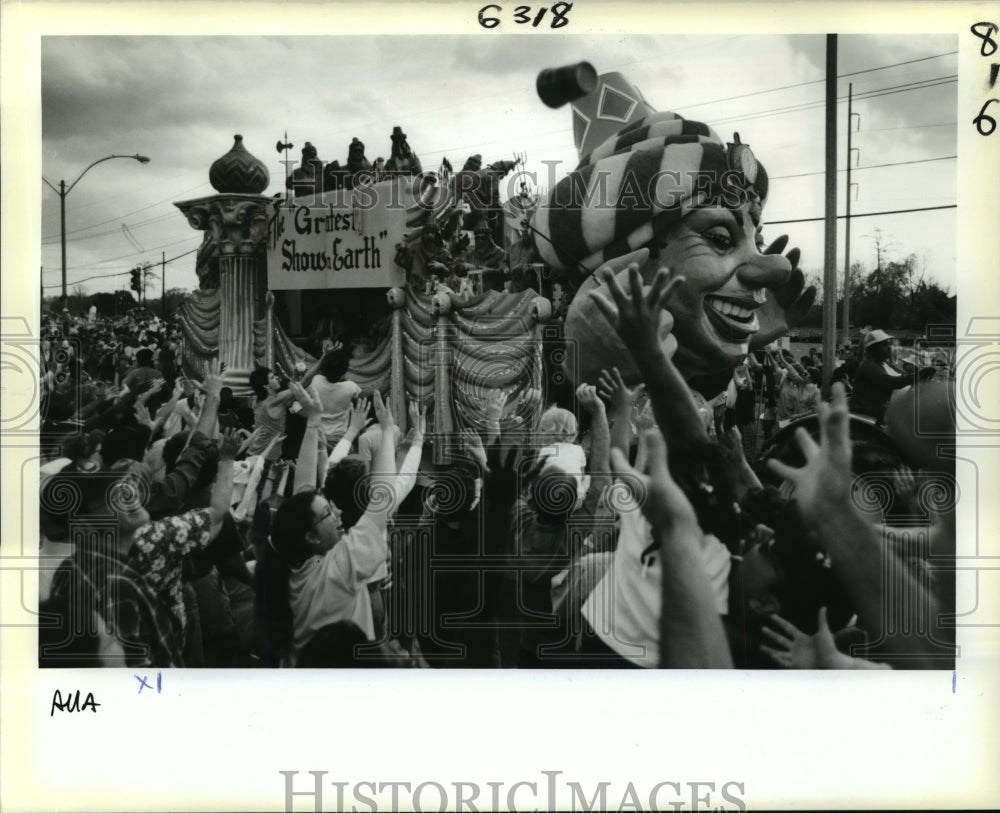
point(144, 685)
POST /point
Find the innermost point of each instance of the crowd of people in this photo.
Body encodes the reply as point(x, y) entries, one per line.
point(88, 358)
point(304, 527)
point(632, 522)
point(773, 387)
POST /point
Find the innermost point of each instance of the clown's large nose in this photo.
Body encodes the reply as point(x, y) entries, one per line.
point(764, 271)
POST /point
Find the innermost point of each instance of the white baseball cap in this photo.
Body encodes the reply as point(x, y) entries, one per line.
point(876, 336)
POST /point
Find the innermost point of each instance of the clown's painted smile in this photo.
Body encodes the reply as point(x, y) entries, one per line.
point(732, 317)
point(718, 250)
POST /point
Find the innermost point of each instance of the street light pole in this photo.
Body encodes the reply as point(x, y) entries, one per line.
point(62, 232)
point(63, 191)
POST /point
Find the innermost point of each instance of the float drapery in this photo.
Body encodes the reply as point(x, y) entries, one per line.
point(483, 343)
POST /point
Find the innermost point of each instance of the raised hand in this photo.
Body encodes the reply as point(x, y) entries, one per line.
point(611, 388)
point(212, 384)
point(154, 387)
point(166, 410)
point(383, 414)
point(493, 403)
point(229, 444)
point(418, 418)
point(273, 442)
point(528, 402)
point(145, 388)
point(732, 441)
point(793, 649)
point(787, 304)
point(645, 420)
point(664, 503)
point(639, 318)
point(311, 406)
point(357, 419)
point(142, 414)
point(178, 391)
point(473, 444)
point(586, 396)
point(823, 485)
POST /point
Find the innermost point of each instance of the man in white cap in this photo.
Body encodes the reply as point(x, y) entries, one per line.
point(876, 378)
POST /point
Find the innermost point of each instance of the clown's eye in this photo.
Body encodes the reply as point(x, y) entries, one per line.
point(719, 236)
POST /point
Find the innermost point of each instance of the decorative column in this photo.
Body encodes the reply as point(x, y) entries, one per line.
point(236, 220)
point(397, 377)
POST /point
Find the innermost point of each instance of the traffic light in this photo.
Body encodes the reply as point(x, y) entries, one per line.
point(136, 283)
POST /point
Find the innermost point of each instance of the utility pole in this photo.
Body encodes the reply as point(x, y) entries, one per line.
point(830, 232)
point(62, 232)
point(847, 218)
point(163, 285)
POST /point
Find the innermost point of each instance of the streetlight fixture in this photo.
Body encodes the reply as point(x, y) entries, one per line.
point(64, 190)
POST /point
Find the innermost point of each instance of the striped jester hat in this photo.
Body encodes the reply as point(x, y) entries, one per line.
point(638, 182)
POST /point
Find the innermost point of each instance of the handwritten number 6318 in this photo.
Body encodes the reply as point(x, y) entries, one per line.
point(523, 14)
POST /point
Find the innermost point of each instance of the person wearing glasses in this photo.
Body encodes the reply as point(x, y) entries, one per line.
point(312, 573)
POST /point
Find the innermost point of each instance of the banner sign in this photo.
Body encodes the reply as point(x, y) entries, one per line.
point(348, 241)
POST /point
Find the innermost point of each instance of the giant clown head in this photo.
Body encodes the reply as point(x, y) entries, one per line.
point(662, 191)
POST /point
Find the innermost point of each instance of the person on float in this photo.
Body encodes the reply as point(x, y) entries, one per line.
point(674, 196)
point(269, 412)
point(876, 378)
point(335, 392)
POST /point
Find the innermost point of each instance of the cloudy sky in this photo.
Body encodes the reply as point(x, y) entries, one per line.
point(179, 100)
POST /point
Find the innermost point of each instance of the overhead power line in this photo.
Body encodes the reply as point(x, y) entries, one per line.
point(106, 232)
point(908, 127)
point(126, 256)
point(872, 94)
point(115, 274)
point(818, 81)
point(864, 214)
point(168, 199)
point(871, 166)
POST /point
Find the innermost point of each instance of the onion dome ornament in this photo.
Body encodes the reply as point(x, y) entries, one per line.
point(239, 172)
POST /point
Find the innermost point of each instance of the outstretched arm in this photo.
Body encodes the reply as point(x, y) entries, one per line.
point(406, 477)
point(248, 504)
point(621, 401)
point(210, 409)
point(356, 423)
point(600, 446)
point(383, 472)
point(793, 649)
point(691, 633)
point(823, 497)
point(305, 466)
point(222, 491)
point(790, 371)
point(309, 374)
point(638, 318)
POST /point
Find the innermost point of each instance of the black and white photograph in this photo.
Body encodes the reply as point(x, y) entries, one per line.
point(621, 373)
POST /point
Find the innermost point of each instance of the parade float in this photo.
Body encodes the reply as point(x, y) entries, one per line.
point(405, 267)
point(442, 291)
